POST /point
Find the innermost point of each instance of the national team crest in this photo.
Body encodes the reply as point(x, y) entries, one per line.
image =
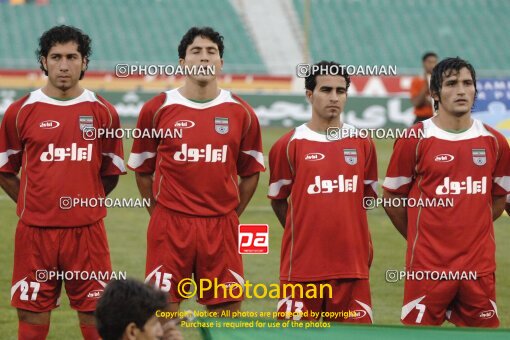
point(351, 156)
point(479, 156)
point(86, 122)
point(221, 125)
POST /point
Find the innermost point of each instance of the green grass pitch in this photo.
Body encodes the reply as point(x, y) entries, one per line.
point(127, 238)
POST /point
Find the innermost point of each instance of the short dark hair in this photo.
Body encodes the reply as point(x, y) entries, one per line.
point(445, 68)
point(123, 302)
point(205, 32)
point(326, 68)
point(60, 35)
point(428, 55)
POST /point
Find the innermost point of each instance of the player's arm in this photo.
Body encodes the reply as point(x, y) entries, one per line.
point(112, 162)
point(399, 179)
point(507, 208)
point(498, 206)
point(280, 178)
point(397, 215)
point(501, 178)
point(10, 183)
point(144, 151)
point(11, 152)
point(250, 161)
point(144, 182)
point(109, 183)
point(280, 208)
point(247, 187)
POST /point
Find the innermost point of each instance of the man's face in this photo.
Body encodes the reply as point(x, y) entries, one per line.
point(329, 96)
point(64, 65)
point(457, 93)
point(203, 52)
point(152, 330)
point(429, 64)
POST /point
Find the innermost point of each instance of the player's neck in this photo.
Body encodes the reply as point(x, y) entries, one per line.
point(452, 123)
point(59, 94)
point(322, 125)
point(194, 91)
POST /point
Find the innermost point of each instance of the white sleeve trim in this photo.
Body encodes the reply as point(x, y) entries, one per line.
point(503, 182)
point(137, 159)
point(373, 184)
point(117, 161)
point(259, 157)
point(396, 182)
point(4, 156)
point(274, 188)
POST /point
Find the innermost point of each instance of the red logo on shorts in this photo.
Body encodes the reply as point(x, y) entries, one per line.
point(253, 239)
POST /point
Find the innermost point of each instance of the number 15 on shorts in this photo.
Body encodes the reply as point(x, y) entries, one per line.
point(253, 239)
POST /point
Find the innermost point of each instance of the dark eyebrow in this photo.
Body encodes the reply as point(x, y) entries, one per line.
point(61, 54)
point(329, 88)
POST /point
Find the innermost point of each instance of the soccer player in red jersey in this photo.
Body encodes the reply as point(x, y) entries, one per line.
point(317, 185)
point(192, 181)
point(455, 157)
point(41, 134)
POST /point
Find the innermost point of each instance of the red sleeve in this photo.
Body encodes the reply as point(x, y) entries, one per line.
point(112, 162)
point(251, 158)
point(143, 153)
point(501, 175)
point(281, 174)
point(11, 147)
point(371, 178)
point(401, 170)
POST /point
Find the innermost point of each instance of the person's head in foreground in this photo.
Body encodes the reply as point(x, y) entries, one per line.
point(453, 86)
point(202, 46)
point(63, 55)
point(127, 310)
point(326, 89)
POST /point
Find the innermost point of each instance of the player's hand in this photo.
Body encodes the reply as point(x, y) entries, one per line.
point(171, 330)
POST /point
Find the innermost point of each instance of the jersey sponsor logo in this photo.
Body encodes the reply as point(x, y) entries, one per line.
point(73, 153)
point(444, 158)
point(207, 154)
point(184, 124)
point(327, 186)
point(351, 156)
point(49, 124)
point(479, 156)
point(253, 239)
point(314, 156)
point(468, 186)
point(86, 122)
point(487, 314)
point(221, 125)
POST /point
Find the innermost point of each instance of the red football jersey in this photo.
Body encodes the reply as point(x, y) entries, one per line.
point(326, 232)
point(467, 168)
point(43, 136)
point(197, 174)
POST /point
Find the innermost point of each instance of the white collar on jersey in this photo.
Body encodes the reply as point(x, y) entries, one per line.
point(304, 132)
point(477, 129)
point(175, 97)
point(39, 96)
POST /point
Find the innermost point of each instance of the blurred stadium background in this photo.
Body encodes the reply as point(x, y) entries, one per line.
point(264, 41)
